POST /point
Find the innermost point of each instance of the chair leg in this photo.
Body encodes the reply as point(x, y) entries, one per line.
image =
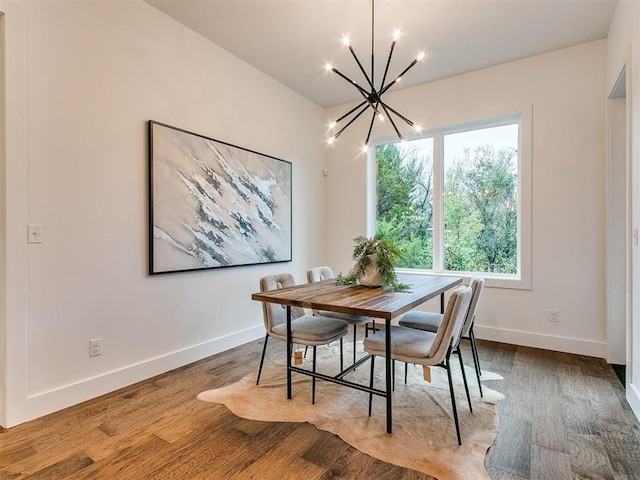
point(393, 374)
point(371, 383)
point(354, 342)
point(313, 379)
point(453, 400)
point(264, 349)
point(474, 347)
point(464, 378)
point(341, 356)
point(406, 369)
point(476, 358)
point(306, 347)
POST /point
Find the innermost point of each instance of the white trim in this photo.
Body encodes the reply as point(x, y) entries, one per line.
point(14, 315)
point(525, 202)
point(438, 207)
point(633, 398)
point(53, 400)
point(372, 172)
point(633, 317)
point(578, 346)
point(617, 238)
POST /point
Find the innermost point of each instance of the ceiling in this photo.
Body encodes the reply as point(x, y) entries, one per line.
point(293, 40)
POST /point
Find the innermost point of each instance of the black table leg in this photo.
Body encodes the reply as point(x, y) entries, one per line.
point(289, 352)
point(442, 303)
point(388, 364)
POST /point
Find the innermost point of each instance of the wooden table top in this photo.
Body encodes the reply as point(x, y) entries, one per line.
point(360, 300)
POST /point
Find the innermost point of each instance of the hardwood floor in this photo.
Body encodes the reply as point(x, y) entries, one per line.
point(564, 417)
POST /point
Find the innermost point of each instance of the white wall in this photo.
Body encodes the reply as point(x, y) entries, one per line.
point(623, 48)
point(568, 153)
point(94, 75)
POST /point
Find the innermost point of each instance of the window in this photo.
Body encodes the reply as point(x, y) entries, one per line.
point(456, 200)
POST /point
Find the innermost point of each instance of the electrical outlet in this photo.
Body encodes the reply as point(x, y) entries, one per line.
point(34, 234)
point(554, 316)
point(95, 347)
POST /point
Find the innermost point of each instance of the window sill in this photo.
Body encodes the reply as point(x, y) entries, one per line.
point(492, 280)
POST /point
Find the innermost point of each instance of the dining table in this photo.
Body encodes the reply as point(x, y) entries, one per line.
point(354, 299)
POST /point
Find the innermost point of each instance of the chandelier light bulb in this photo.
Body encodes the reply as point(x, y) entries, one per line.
point(396, 35)
point(398, 79)
point(332, 125)
point(420, 56)
point(328, 67)
point(330, 140)
point(346, 41)
point(381, 117)
point(417, 128)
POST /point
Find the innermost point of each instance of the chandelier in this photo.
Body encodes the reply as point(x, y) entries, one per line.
point(372, 96)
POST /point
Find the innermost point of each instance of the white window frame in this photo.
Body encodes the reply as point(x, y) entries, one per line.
point(520, 280)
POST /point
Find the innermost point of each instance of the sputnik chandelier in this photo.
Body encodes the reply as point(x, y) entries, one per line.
point(372, 96)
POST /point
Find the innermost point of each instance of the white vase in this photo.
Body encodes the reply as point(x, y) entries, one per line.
point(371, 276)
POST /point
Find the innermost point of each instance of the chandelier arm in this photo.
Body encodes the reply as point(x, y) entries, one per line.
point(397, 114)
point(384, 107)
point(398, 77)
point(350, 111)
point(386, 70)
point(361, 67)
point(373, 118)
point(351, 121)
point(362, 91)
point(366, 95)
point(370, 104)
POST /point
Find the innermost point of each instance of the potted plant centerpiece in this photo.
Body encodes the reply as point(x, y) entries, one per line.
point(374, 263)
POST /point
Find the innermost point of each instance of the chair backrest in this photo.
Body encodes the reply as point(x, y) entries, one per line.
point(273, 313)
point(451, 325)
point(477, 285)
point(317, 274)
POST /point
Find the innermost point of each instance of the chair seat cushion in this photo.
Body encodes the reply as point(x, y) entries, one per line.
point(312, 330)
point(352, 319)
point(427, 321)
point(407, 344)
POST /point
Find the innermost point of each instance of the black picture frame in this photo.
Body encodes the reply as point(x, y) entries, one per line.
point(213, 204)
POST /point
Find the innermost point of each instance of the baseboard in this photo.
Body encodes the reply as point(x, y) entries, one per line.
point(633, 397)
point(547, 342)
point(73, 394)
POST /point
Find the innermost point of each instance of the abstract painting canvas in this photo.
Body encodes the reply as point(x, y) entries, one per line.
point(213, 204)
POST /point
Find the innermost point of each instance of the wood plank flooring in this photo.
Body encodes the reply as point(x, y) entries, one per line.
point(564, 417)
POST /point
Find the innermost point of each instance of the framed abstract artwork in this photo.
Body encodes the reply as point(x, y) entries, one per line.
point(213, 204)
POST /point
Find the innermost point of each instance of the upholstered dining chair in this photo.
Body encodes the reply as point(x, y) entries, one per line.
point(420, 347)
point(430, 322)
point(306, 329)
point(317, 274)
